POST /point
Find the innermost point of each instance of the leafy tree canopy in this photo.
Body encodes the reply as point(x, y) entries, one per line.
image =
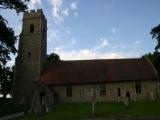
point(155, 57)
point(53, 58)
point(7, 44)
point(7, 37)
point(6, 78)
point(155, 32)
point(18, 5)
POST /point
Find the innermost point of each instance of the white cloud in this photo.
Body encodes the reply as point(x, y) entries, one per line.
point(85, 54)
point(66, 12)
point(56, 9)
point(137, 42)
point(103, 42)
point(75, 55)
point(93, 53)
point(53, 35)
point(61, 10)
point(33, 3)
point(73, 5)
point(112, 55)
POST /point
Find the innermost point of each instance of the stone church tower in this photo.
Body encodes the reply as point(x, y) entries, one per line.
point(31, 55)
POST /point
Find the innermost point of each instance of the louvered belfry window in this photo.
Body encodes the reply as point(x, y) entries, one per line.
point(31, 28)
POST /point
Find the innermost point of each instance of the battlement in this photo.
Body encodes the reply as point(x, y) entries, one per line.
point(33, 11)
point(33, 14)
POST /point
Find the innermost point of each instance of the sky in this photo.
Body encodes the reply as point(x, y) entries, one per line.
point(95, 29)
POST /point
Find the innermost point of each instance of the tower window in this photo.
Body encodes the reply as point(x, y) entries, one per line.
point(119, 92)
point(31, 28)
point(138, 87)
point(69, 91)
point(29, 55)
point(102, 89)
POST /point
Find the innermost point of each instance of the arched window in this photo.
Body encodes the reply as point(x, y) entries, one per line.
point(119, 92)
point(138, 87)
point(29, 55)
point(31, 28)
point(102, 89)
point(69, 91)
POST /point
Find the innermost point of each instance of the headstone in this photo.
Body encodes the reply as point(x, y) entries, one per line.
point(93, 101)
point(126, 100)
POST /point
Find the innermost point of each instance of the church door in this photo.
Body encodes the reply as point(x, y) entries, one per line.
point(128, 96)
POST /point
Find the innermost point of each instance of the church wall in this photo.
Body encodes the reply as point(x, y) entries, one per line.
point(148, 91)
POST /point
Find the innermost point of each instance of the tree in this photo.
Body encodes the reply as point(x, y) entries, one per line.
point(6, 78)
point(53, 58)
point(18, 5)
point(7, 37)
point(155, 58)
point(7, 44)
point(155, 32)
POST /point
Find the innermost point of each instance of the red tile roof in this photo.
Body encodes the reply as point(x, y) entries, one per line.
point(98, 71)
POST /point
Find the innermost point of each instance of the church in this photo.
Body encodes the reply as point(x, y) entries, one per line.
point(78, 80)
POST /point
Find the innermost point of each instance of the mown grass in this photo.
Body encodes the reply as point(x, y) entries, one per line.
point(9, 108)
point(65, 111)
point(80, 111)
point(138, 109)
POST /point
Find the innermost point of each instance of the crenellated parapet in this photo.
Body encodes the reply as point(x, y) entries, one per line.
point(33, 11)
point(33, 14)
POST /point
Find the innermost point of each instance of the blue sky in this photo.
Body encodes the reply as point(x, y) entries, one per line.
point(96, 29)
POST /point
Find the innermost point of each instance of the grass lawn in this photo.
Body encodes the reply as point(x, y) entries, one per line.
point(8, 108)
point(80, 111)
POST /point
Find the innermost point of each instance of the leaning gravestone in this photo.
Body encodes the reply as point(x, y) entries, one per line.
point(126, 100)
point(93, 94)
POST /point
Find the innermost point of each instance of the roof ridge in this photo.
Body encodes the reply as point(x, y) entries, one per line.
point(101, 59)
